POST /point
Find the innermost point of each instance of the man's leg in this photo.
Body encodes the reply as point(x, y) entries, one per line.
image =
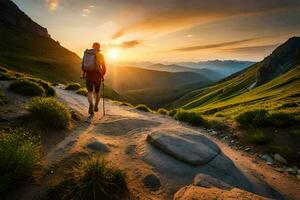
point(97, 96)
point(89, 86)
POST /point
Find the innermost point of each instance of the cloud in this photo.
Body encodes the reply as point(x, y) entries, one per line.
point(172, 15)
point(253, 49)
point(217, 45)
point(52, 4)
point(126, 44)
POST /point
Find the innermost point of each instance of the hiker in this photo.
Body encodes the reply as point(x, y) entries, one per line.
point(94, 69)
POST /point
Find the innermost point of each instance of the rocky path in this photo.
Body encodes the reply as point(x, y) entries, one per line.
point(156, 171)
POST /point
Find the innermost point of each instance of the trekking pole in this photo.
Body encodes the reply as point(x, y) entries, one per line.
point(103, 98)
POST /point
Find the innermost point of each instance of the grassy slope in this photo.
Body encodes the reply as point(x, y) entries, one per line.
point(232, 96)
point(42, 57)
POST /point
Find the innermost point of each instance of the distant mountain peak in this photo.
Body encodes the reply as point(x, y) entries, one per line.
point(11, 15)
point(282, 59)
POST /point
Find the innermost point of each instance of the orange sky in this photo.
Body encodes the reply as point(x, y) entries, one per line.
point(170, 30)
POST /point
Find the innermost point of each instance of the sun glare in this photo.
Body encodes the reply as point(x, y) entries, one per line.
point(113, 54)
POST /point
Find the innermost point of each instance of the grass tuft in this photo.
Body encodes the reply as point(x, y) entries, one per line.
point(192, 118)
point(3, 99)
point(92, 179)
point(281, 119)
point(82, 91)
point(50, 112)
point(253, 118)
point(256, 137)
point(216, 125)
point(20, 154)
point(27, 88)
point(163, 111)
point(143, 107)
point(73, 86)
point(172, 113)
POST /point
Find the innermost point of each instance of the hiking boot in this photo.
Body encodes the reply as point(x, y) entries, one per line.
point(96, 109)
point(91, 110)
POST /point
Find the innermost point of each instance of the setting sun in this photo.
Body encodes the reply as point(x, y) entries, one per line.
point(113, 54)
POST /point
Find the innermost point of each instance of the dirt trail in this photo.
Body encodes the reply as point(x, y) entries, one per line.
point(123, 133)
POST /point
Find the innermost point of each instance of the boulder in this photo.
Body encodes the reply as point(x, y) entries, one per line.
point(267, 158)
point(279, 159)
point(207, 181)
point(191, 148)
point(200, 193)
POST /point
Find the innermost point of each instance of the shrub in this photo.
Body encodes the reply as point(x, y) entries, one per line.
point(50, 112)
point(190, 117)
point(73, 86)
point(27, 88)
point(163, 111)
point(257, 137)
point(20, 154)
point(49, 90)
point(216, 125)
point(253, 118)
point(143, 107)
point(82, 91)
point(92, 179)
point(172, 113)
point(285, 151)
point(282, 119)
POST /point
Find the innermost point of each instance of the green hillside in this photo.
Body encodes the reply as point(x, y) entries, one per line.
point(43, 57)
point(239, 92)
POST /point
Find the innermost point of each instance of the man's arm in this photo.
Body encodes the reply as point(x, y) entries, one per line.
point(103, 65)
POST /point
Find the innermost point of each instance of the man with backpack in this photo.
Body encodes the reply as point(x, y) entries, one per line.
point(94, 69)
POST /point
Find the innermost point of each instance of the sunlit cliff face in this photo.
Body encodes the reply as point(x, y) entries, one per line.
point(169, 30)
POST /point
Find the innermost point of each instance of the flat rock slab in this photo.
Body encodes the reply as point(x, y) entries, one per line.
point(194, 149)
point(207, 181)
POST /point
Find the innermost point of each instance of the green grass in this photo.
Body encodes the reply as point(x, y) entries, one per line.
point(92, 179)
point(283, 150)
point(50, 112)
point(82, 91)
point(173, 112)
point(20, 153)
point(261, 117)
point(143, 107)
point(281, 119)
point(253, 118)
point(216, 125)
point(73, 86)
point(49, 90)
point(191, 118)
point(27, 88)
point(163, 111)
point(232, 96)
point(256, 137)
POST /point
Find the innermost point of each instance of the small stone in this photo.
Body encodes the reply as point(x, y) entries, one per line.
point(98, 146)
point(51, 172)
point(279, 170)
point(152, 182)
point(267, 158)
point(232, 141)
point(298, 176)
point(248, 149)
point(291, 171)
point(279, 159)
